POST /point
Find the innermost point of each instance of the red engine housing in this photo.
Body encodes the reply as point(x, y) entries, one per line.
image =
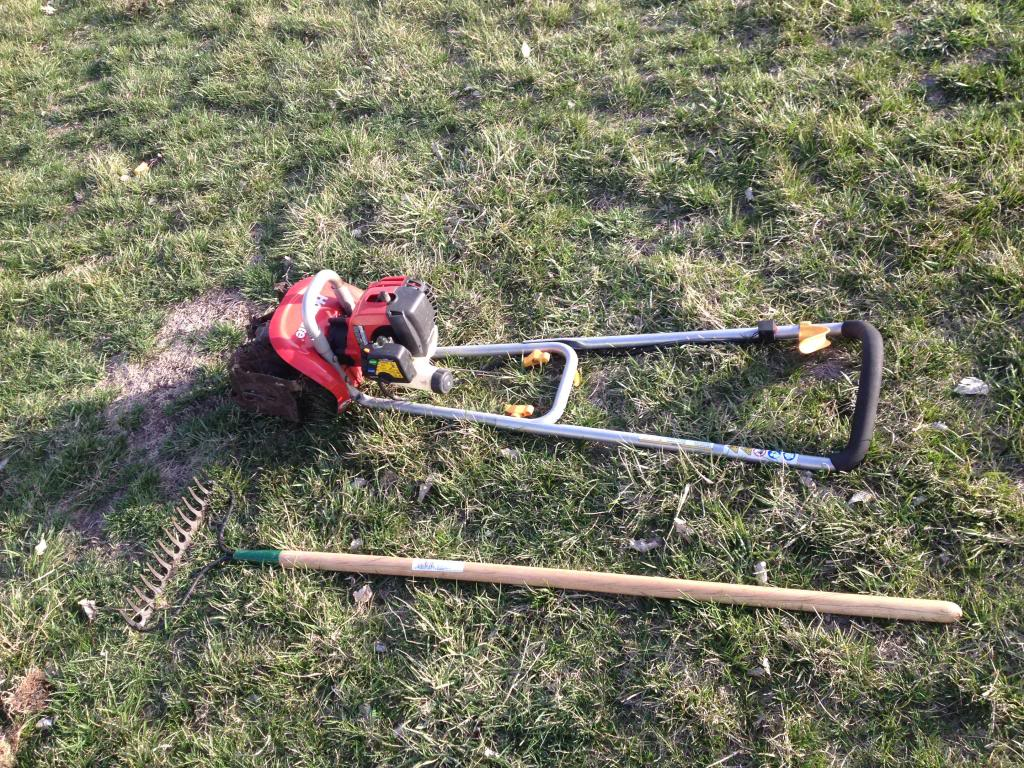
point(294, 345)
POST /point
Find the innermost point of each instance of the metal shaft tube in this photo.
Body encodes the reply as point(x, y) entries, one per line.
point(547, 425)
point(679, 338)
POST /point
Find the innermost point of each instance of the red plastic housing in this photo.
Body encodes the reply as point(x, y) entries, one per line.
point(294, 345)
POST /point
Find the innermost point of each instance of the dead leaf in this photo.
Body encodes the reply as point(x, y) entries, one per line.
point(861, 497)
point(363, 596)
point(683, 530)
point(761, 669)
point(141, 169)
point(969, 385)
point(645, 545)
point(88, 609)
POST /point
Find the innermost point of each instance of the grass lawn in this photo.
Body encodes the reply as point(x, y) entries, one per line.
point(635, 166)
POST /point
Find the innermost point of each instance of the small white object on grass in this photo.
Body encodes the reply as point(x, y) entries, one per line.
point(363, 596)
point(40, 548)
point(526, 50)
point(423, 490)
point(644, 545)
point(861, 497)
point(969, 385)
point(761, 571)
point(48, 9)
point(356, 545)
point(749, 194)
point(44, 723)
point(88, 609)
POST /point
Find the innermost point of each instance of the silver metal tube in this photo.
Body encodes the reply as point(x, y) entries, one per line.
point(606, 436)
point(546, 425)
point(640, 340)
point(554, 413)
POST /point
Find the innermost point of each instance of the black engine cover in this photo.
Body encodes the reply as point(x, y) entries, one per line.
point(412, 318)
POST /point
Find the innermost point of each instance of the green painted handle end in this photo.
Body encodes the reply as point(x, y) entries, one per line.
point(271, 556)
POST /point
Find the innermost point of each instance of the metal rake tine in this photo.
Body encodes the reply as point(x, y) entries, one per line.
point(168, 550)
point(168, 553)
point(201, 500)
point(190, 508)
point(155, 572)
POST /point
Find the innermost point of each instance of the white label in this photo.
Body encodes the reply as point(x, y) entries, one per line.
point(439, 566)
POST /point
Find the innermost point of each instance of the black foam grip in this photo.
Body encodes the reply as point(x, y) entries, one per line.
point(870, 384)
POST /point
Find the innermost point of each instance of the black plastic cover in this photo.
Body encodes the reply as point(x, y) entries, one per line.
point(412, 318)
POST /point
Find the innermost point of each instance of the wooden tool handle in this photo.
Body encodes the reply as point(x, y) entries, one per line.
point(626, 584)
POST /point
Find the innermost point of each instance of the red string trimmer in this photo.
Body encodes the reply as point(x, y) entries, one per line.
point(339, 336)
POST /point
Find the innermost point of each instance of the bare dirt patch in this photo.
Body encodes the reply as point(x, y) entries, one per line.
point(147, 388)
point(180, 356)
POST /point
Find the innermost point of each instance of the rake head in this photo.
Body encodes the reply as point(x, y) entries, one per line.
point(169, 553)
